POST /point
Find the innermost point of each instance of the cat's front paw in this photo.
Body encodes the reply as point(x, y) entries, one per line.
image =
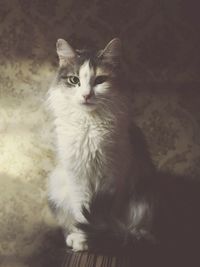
point(77, 241)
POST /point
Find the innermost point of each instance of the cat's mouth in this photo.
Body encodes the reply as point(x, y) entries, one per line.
point(86, 103)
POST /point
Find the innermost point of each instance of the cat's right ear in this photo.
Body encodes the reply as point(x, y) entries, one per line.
point(65, 52)
point(112, 52)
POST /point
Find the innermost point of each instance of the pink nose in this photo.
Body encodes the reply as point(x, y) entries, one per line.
point(88, 96)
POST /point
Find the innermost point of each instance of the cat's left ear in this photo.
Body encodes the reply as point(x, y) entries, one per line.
point(65, 52)
point(112, 51)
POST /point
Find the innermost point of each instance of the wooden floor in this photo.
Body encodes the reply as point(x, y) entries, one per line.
point(86, 259)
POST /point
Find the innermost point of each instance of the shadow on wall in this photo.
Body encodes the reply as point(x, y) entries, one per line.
point(50, 253)
point(28, 234)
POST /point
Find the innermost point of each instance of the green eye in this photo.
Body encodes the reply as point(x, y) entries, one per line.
point(100, 79)
point(73, 80)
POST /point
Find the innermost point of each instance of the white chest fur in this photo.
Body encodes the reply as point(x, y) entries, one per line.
point(90, 147)
point(84, 146)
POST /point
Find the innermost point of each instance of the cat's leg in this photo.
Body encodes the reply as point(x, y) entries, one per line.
point(58, 195)
point(67, 197)
point(76, 239)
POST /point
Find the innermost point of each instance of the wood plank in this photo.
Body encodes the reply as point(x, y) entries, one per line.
point(88, 259)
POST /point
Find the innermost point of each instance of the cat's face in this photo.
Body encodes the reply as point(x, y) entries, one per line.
point(88, 80)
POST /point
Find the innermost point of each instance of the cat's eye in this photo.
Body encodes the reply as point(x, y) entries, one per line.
point(100, 79)
point(73, 80)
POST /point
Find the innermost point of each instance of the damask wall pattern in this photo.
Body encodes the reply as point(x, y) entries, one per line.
point(161, 54)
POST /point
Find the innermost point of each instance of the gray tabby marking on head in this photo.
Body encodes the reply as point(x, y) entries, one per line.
point(91, 75)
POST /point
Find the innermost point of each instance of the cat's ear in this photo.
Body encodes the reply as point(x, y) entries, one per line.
point(65, 52)
point(112, 51)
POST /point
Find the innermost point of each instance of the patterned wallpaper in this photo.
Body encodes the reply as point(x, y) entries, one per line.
point(161, 54)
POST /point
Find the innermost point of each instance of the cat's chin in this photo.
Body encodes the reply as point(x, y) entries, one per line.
point(88, 106)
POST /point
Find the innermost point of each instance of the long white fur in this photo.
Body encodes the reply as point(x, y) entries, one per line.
point(91, 145)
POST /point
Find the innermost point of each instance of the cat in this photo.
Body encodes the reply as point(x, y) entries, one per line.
point(95, 148)
point(105, 191)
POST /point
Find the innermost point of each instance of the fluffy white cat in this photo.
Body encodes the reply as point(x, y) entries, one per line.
point(93, 144)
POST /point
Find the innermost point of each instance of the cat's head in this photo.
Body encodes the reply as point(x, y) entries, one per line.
point(88, 79)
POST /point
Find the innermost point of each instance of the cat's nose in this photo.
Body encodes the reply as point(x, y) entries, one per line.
point(87, 96)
